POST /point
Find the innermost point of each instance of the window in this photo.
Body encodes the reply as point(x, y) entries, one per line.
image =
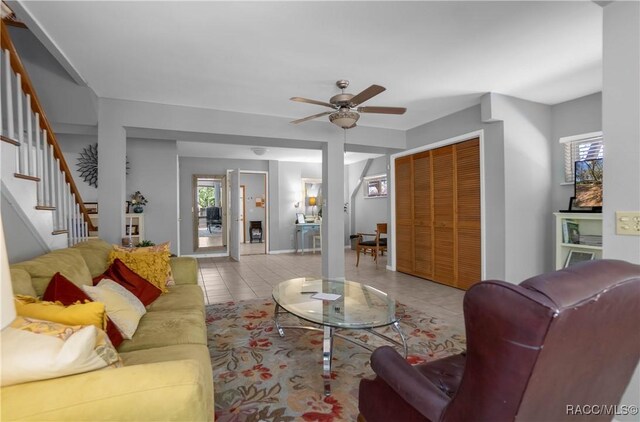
point(578, 148)
point(375, 186)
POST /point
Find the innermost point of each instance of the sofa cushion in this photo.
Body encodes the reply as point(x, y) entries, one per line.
point(182, 296)
point(124, 309)
point(96, 254)
point(166, 328)
point(62, 290)
point(21, 282)
point(153, 266)
point(196, 352)
point(92, 313)
point(130, 280)
point(67, 261)
point(35, 350)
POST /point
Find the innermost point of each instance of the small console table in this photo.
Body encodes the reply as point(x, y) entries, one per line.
point(302, 229)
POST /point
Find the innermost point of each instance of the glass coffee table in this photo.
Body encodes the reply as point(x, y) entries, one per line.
point(357, 307)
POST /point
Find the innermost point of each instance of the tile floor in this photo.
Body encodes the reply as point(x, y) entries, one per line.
point(255, 275)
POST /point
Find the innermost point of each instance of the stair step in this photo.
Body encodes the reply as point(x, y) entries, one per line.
point(26, 177)
point(9, 140)
point(55, 232)
point(45, 208)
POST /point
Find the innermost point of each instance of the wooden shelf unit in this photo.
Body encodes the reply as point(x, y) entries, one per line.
point(588, 224)
point(136, 219)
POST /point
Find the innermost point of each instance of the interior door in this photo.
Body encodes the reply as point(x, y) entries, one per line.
point(234, 229)
point(224, 211)
point(404, 215)
point(443, 215)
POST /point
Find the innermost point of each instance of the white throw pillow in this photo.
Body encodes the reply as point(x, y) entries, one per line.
point(123, 308)
point(28, 356)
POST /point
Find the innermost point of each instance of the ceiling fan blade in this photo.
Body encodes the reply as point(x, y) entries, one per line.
point(312, 117)
point(368, 93)
point(382, 110)
point(308, 101)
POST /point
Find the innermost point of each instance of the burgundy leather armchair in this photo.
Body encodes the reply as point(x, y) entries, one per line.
point(571, 337)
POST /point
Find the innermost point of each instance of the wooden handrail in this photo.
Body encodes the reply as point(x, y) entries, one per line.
point(28, 88)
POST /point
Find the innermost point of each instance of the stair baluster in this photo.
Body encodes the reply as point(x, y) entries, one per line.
point(46, 175)
point(39, 156)
point(20, 133)
point(29, 141)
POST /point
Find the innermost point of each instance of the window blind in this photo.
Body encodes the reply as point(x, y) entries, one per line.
point(578, 148)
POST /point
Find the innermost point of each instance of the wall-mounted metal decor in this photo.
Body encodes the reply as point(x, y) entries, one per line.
point(88, 165)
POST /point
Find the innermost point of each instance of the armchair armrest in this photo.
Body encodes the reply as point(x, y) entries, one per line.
point(408, 383)
point(184, 269)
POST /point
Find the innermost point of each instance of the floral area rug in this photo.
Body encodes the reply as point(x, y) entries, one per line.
point(259, 376)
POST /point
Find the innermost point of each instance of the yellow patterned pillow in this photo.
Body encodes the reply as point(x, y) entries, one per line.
point(151, 265)
point(35, 350)
point(161, 248)
point(91, 313)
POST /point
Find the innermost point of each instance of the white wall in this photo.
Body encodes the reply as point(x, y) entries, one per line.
point(582, 115)
point(152, 171)
point(459, 123)
point(527, 175)
point(620, 111)
point(63, 100)
point(368, 211)
point(21, 242)
point(290, 177)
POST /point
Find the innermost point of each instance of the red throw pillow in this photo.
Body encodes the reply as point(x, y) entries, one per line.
point(64, 291)
point(130, 280)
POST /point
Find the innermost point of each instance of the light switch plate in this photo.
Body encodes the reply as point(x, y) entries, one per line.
point(628, 223)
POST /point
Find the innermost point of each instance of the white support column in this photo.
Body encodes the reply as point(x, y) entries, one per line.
point(112, 150)
point(29, 170)
point(332, 210)
point(20, 109)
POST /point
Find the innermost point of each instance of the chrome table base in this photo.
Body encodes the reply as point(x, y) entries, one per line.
point(327, 342)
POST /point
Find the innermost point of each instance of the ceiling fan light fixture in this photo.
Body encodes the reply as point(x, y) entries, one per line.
point(344, 118)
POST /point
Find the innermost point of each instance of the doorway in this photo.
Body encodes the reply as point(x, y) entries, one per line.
point(253, 209)
point(208, 205)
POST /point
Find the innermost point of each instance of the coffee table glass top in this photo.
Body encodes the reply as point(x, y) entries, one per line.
point(359, 305)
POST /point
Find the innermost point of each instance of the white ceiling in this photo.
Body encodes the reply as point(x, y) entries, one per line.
point(243, 152)
point(433, 57)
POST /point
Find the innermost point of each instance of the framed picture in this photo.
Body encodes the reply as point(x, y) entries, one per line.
point(578, 256)
point(300, 218)
point(132, 230)
point(574, 208)
point(92, 207)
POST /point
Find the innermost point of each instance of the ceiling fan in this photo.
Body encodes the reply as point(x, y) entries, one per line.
point(344, 113)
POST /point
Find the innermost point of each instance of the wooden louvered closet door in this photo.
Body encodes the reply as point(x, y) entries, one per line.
point(404, 215)
point(468, 213)
point(422, 215)
point(438, 214)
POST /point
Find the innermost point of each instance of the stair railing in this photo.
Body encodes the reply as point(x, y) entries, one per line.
point(24, 123)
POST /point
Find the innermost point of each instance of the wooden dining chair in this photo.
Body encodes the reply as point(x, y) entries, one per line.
point(376, 247)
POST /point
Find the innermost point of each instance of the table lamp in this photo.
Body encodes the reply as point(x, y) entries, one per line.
point(8, 309)
point(312, 202)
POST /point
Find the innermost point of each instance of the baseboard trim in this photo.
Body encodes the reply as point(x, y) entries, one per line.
point(281, 251)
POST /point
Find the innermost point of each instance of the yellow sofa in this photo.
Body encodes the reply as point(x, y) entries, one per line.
point(167, 369)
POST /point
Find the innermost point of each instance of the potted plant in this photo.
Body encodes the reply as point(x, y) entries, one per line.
point(138, 201)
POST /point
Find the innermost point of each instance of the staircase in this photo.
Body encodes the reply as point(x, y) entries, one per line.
point(35, 178)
